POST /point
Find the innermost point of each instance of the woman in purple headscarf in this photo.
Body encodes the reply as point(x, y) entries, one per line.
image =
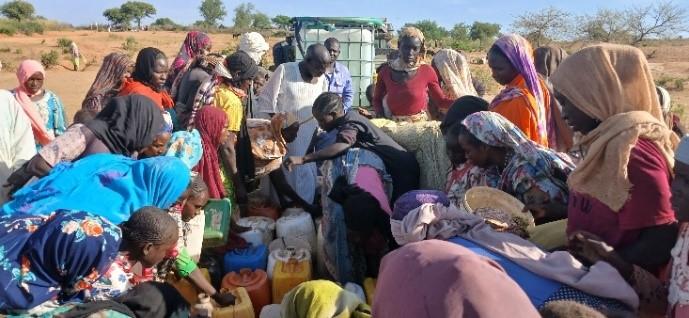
point(195, 45)
point(525, 100)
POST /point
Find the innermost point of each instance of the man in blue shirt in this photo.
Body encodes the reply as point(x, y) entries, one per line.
point(338, 76)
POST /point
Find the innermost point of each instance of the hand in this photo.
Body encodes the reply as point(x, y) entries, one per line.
point(364, 112)
point(290, 133)
point(293, 161)
point(224, 299)
point(541, 207)
point(590, 249)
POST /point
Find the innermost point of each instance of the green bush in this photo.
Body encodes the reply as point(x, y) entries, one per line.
point(130, 44)
point(18, 51)
point(29, 28)
point(64, 43)
point(679, 84)
point(8, 30)
point(5, 50)
point(50, 59)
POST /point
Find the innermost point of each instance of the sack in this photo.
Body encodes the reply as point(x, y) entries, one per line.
point(267, 144)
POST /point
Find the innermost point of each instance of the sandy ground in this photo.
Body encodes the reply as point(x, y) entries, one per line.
point(669, 60)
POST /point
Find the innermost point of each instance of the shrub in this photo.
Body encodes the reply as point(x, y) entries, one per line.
point(130, 44)
point(679, 84)
point(30, 28)
point(43, 42)
point(50, 59)
point(18, 51)
point(5, 50)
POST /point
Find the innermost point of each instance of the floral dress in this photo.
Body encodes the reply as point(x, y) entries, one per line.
point(54, 258)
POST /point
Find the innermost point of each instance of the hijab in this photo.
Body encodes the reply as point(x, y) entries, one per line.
point(254, 45)
point(187, 146)
point(211, 121)
point(107, 185)
point(193, 44)
point(127, 124)
point(26, 69)
point(109, 77)
point(143, 72)
point(455, 73)
point(440, 279)
point(518, 51)
point(547, 59)
point(322, 299)
point(613, 84)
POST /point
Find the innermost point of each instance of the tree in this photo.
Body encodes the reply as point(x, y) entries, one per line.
point(117, 17)
point(138, 10)
point(541, 27)
point(165, 24)
point(261, 21)
point(243, 15)
point(212, 11)
point(460, 32)
point(482, 31)
point(18, 10)
point(282, 21)
point(431, 31)
point(605, 26)
point(656, 20)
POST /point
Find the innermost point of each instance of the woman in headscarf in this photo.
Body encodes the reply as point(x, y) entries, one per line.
point(43, 108)
point(116, 68)
point(544, 277)
point(110, 186)
point(126, 126)
point(671, 119)
point(454, 74)
point(440, 279)
point(620, 191)
point(463, 174)
point(406, 83)
point(203, 71)
point(212, 125)
point(560, 135)
point(321, 299)
point(196, 44)
point(533, 174)
point(49, 261)
point(148, 78)
point(254, 45)
point(525, 100)
point(16, 139)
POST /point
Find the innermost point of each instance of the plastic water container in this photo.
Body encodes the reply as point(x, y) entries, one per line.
point(356, 290)
point(288, 275)
point(318, 261)
point(288, 242)
point(262, 229)
point(299, 225)
point(271, 311)
point(284, 255)
point(217, 213)
point(242, 307)
point(256, 284)
point(370, 289)
point(252, 257)
point(186, 288)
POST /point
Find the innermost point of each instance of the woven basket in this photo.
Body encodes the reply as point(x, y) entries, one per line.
point(486, 197)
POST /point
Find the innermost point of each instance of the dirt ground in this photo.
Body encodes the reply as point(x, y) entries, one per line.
point(669, 60)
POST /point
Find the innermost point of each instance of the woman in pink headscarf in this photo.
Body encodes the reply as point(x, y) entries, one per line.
point(196, 44)
point(43, 107)
point(440, 279)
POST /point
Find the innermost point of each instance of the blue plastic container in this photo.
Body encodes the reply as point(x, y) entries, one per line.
point(252, 257)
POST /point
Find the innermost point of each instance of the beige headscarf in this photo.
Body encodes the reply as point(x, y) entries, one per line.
point(612, 83)
point(455, 73)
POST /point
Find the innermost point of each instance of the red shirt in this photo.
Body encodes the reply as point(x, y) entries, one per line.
point(411, 97)
point(648, 205)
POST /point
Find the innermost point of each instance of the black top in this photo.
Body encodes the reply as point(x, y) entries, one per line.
point(360, 132)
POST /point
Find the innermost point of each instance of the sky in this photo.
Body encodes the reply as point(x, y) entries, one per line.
point(446, 12)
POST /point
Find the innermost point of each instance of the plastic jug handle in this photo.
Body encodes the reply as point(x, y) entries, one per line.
point(245, 275)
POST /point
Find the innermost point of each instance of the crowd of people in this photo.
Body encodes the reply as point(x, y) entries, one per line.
point(95, 213)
